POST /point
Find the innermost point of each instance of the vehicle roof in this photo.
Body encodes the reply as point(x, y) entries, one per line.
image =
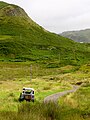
point(28, 88)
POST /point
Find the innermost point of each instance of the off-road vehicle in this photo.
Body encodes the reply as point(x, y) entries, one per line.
point(27, 94)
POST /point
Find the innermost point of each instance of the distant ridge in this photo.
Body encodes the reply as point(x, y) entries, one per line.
point(78, 36)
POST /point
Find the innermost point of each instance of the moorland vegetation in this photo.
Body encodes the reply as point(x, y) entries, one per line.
point(57, 63)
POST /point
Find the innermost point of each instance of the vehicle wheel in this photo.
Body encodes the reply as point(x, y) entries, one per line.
point(20, 98)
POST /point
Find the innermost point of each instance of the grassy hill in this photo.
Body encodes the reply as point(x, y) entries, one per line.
point(21, 39)
point(78, 36)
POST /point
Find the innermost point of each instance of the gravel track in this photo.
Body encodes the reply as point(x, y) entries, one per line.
point(55, 97)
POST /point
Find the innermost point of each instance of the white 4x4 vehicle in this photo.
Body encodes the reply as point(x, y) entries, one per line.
point(27, 94)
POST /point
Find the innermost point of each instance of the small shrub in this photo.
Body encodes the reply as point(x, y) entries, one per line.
point(46, 88)
point(52, 111)
point(11, 95)
point(86, 85)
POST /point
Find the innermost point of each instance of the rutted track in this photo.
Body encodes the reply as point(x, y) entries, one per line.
point(55, 97)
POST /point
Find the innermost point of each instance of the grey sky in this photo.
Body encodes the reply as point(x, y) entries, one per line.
point(57, 15)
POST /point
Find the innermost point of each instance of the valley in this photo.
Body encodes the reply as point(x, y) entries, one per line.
point(15, 76)
point(31, 56)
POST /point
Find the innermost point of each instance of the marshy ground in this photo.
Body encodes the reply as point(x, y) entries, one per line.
point(45, 81)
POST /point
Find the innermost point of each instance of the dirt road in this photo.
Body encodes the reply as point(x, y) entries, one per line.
point(54, 97)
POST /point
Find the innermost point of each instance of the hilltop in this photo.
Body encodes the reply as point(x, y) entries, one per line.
point(21, 39)
point(78, 36)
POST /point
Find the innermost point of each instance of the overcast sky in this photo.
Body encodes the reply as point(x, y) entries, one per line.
point(57, 15)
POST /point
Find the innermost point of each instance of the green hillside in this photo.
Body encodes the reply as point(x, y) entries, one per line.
point(21, 39)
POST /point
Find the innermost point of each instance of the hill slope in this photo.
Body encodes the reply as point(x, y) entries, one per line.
point(78, 36)
point(21, 39)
